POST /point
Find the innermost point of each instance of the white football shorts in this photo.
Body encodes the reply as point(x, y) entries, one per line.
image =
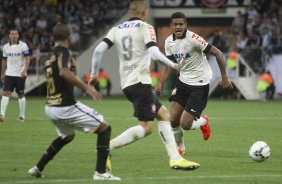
point(75, 117)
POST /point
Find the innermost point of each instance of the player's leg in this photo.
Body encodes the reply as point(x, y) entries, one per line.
point(86, 119)
point(191, 118)
point(167, 137)
point(49, 154)
point(103, 142)
point(178, 99)
point(144, 110)
point(22, 101)
point(9, 85)
point(176, 110)
point(65, 136)
point(131, 135)
point(166, 134)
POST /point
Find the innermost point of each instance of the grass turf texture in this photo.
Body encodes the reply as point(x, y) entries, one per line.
point(224, 157)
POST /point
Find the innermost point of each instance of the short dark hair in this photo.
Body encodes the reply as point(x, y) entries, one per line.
point(177, 15)
point(13, 29)
point(61, 32)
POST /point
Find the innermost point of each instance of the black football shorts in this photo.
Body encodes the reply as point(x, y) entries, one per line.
point(193, 98)
point(145, 103)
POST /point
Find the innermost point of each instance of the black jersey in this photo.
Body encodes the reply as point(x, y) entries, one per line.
point(59, 91)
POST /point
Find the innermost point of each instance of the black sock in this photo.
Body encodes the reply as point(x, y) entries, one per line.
point(52, 150)
point(103, 143)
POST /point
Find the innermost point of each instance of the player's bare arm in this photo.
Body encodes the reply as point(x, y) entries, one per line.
point(3, 70)
point(165, 73)
point(72, 79)
point(226, 84)
point(24, 72)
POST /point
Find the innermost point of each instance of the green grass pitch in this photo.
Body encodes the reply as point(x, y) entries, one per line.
point(224, 157)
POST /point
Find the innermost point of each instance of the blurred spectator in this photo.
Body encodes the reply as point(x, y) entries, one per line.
point(104, 82)
point(266, 85)
point(37, 17)
point(238, 22)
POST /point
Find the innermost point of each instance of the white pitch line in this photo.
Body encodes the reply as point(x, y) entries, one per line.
point(44, 180)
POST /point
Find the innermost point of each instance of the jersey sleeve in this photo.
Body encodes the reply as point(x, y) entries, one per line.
point(199, 42)
point(149, 34)
point(109, 39)
point(25, 50)
point(63, 59)
point(4, 53)
point(167, 49)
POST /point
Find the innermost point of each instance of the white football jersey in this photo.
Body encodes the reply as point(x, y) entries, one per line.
point(15, 54)
point(189, 52)
point(132, 39)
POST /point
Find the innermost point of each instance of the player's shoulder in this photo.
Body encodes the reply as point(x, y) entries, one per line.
point(169, 39)
point(22, 43)
point(6, 45)
point(146, 23)
point(190, 35)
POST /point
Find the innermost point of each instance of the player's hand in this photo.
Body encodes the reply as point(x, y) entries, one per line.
point(93, 81)
point(23, 74)
point(3, 78)
point(158, 89)
point(176, 67)
point(226, 84)
point(95, 95)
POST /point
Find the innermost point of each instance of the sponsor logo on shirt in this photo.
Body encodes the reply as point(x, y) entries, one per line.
point(129, 25)
point(199, 39)
point(178, 56)
point(9, 54)
point(152, 33)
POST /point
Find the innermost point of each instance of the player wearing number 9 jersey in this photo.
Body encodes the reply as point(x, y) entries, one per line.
point(136, 45)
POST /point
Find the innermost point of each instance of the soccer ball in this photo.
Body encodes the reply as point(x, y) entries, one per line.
point(259, 151)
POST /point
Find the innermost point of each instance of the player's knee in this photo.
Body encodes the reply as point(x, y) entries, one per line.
point(7, 93)
point(186, 125)
point(68, 138)
point(174, 122)
point(163, 114)
point(20, 95)
point(108, 130)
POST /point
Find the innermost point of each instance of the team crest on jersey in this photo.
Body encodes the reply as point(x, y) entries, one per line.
point(174, 91)
point(153, 108)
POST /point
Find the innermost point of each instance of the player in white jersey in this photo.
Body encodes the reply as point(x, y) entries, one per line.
point(190, 94)
point(15, 64)
point(136, 44)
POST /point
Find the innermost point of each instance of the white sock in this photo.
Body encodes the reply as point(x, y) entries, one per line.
point(128, 136)
point(168, 139)
point(178, 134)
point(4, 105)
point(22, 103)
point(199, 122)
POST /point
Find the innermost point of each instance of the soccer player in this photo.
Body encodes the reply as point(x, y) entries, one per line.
point(15, 64)
point(65, 112)
point(136, 44)
point(190, 94)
